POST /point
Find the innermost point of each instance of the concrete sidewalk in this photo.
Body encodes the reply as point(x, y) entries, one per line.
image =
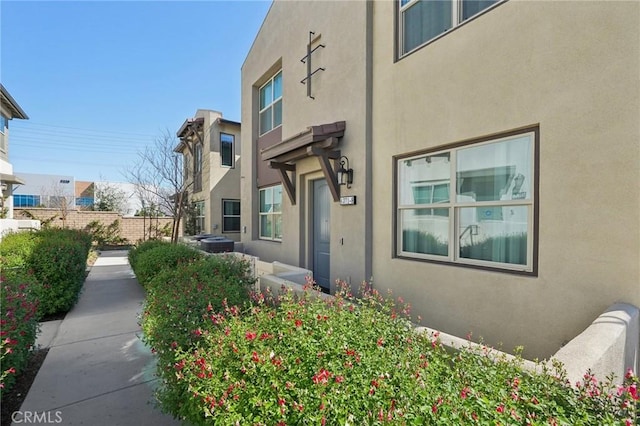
point(97, 371)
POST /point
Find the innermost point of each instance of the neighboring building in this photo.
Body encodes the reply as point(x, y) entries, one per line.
point(84, 194)
point(480, 135)
point(210, 148)
point(42, 190)
point(9, 109)
point(48, 191)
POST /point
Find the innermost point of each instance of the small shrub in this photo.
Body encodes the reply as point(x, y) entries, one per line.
point(165, 256)
point(141, 248)
point(105, 235)
point(18, 326)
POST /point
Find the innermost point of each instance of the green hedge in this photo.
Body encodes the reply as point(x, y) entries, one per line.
point(15, 249)
point(56, 257)
point(59, 262)
point(141, 248)
point(150, 262)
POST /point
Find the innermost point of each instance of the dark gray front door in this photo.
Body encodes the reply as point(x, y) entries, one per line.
point(321, 233)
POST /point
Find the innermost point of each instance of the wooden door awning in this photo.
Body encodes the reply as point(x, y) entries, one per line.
point(317, 141)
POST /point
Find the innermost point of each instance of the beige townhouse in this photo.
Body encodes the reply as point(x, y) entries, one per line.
point(457, 152)
point(9, 110)
point(210, 147)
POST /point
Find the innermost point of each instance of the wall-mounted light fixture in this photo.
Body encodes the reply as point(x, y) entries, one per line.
point(345, 173)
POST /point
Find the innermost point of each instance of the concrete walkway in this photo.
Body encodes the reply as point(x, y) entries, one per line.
point(97, 371)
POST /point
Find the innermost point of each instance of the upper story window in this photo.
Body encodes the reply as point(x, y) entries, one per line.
point(271, 104)
point(197, 167)
point(227, 156)
point(472, 204)
point(424, 20)
point(4, 123)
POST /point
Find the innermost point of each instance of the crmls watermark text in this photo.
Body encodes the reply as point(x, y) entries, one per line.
point(36, 417)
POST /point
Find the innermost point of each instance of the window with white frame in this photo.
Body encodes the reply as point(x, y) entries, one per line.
point(199, 216)
point(227, 150)
point(270, 109)
point(271, 213)
point(424, 20)
point(230, 215)
point(472, 204)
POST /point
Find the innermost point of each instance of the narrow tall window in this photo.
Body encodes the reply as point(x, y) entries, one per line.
point(227, 150)
point(423, 20)
point(271, 104)
point(200, 217)
point(271, 213)
point(472, 204)
point(230, 215)
point(197, 167)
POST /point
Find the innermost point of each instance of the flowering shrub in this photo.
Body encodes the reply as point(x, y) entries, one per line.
point(18, 326)
point(182, 302)
point(347, 361)
point(164, 256)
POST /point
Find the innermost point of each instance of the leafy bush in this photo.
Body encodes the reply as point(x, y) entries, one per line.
point(18, 326)
point(16, 248)
point(354, 361)
point(105, 235)
point(141, 248)
point(58, 262)
point(165, 256)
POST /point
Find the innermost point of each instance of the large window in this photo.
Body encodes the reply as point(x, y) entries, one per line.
point(227, 150)
point(197, 168)
point(472, 204)
point(423, 20)
point(230, 215)
point(271, 104)
point(271, 213)
point(21, 200)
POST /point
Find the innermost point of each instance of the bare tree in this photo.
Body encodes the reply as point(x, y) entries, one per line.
point(109, 197)
point(60, 199)
point(159, 177)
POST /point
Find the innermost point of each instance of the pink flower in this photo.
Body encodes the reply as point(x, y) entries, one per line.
point(339, 379)
point(250, 335)
point(465, 392)
point(322, 377)
point(298, 323)
point(500, 408)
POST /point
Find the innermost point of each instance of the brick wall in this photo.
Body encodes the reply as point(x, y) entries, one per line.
point(131, 228)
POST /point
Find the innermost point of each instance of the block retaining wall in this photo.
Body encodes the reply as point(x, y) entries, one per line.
point(131, 227)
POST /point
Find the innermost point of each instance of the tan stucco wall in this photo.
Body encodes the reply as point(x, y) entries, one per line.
point(339, 93)
point(218, 182)
point(571, 67)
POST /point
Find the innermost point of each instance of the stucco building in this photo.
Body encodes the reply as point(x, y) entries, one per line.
point(210, 148)
point(9, 110)
point(480, 136)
